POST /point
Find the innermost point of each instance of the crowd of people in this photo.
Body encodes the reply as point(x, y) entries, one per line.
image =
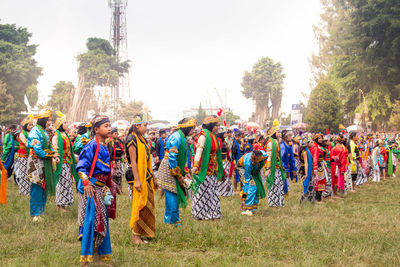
point(201, 163)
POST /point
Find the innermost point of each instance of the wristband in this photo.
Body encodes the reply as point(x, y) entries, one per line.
point(85, 182)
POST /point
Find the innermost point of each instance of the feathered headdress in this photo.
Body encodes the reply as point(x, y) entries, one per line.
point(60, 120)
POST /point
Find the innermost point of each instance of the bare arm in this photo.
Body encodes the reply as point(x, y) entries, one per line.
point(132, 155)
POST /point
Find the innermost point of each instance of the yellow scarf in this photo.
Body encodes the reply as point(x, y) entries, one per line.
point(139, 199)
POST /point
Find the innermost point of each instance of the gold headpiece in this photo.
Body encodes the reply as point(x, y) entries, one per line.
point(211, 119)
point(44, 113)
point(274, 128)
point(27, 120)
point(60, 120)
point(189, 123)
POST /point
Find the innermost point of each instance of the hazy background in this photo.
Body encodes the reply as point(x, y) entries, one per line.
point(178, 48)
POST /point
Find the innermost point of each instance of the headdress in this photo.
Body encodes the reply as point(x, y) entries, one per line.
point(28, 119)
point(44, 113)
point(211, 119)
point(60, 120)
point(99, 120)
point(139, 119)
point(305, 140)
point(189, 123)
point(274, 128)
point(318, 135)
point(286, 132)
point(259, 158)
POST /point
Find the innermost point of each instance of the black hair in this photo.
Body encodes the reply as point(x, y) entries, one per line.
point(42, 122)
point(229, 131)
point(25, 127)
point(352, 135)
point(260, 138)
point(376, 143)
point(220, 135)
point(162, 131)
point(185, 130)
point(273, 136)
point(257, 153)
point(13, 127)
point(81, 129)
point(61, 128)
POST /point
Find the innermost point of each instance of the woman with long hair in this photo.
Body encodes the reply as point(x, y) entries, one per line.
point(141, 182)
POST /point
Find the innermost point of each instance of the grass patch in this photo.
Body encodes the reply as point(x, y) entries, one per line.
point(359, 230)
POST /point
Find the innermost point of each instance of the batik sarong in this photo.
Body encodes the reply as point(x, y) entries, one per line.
point(117, 173)
point(206, 204)
point(361, 175)
point(146, 225)
point(225, 188)
point(64, 187)
point(276, 193)
point(21, 174)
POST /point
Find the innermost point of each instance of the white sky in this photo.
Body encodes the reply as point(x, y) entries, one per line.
point(179, 48)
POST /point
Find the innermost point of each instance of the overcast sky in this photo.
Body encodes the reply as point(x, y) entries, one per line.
point(179, 49)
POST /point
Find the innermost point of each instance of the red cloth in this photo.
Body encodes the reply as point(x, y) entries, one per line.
point(339, 157)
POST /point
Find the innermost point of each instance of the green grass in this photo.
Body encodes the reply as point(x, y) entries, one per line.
point(360, 230)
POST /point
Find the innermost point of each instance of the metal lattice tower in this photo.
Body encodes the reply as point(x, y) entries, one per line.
point(119, 41)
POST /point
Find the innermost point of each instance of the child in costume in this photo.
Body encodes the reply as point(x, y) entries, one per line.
point(94, 205)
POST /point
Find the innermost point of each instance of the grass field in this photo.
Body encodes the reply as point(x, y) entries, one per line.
point(362, 229)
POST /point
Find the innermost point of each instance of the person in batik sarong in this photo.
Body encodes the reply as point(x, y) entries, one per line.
point(9, 148)
point(173, 172)
point(141, 182)
point(253, 188)
point(207, 170)
point(116, 150)
point(95, 200)
point(276, 175)
point(358, 175)
point(66, 169)
point(40, 169)
point(288, 160)
point(225, 188)
point(21, 160)
point(320, 172)
point(376, 161)
point(338, 166)
point(306, 171)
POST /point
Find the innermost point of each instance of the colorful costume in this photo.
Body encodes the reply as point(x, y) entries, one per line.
point(80, 142)
point(40, 169)
point(225, 188)
point(174, 167)
point(66, 169)
point(116, 150)
point(142, 220)
point(277, 177)
point(206, 204)
point(253, 188)
point(94, 168)
point(319, 169)
point(306, 171)
point(357, 172)
point(21, 161)
point(9, 148)
point(288, 163)
point(338, 166)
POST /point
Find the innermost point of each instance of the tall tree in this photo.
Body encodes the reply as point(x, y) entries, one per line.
point(61, 96)
point(18, 68)
point(264, 84)
point(324, 108)
point(6, 104)
point(230, 117)
point(97, 67)
point(127, 111)
point(359, 54)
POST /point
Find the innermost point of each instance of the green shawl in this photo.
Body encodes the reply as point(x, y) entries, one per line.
point(255, 173)
point(182, 158)
point(271, 177)
point(199, 178)
point(61, 156)
point(51, 181)
point(390, 163)
point(26, 136)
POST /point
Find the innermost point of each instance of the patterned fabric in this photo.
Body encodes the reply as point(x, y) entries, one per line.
point(117, 173)
point(146, 225)
point(82, 201)
point(206, 204)
point(35, 170)
point(310, 195)
point(225, 188)
point(275, 195)
point(328, 189)
point(347, 179)
point(64, 191)
point(361, 175)
point(164, 178)
point(21, 174)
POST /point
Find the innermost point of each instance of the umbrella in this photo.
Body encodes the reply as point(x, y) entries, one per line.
point(253, 125)
point(121, 124)
point(158, 125)
point(355, 128)
point(300, 126)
